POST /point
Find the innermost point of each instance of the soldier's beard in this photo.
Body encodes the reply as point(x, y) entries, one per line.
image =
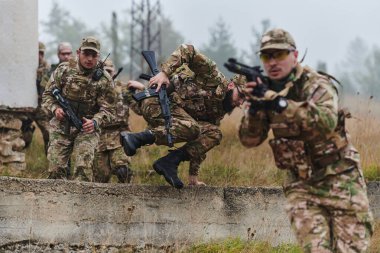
point(228, 107)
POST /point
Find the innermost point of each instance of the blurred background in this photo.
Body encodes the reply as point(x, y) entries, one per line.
point(341, 36)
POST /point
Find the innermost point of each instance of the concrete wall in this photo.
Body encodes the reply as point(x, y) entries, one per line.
point(52, 212)
point(18, 52)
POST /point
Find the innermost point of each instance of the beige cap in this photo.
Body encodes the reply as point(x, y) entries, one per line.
point(90, 43)
point(277, 39)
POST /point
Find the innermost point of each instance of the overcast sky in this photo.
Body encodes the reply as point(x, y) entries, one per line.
point(324, 27)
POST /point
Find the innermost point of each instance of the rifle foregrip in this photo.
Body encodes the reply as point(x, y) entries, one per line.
point(145, 94)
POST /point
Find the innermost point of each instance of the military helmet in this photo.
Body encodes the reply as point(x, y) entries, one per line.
point(277, 39)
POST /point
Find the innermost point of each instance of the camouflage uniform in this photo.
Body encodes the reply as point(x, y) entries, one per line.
point(88, 98)
point(325, 188)
point(196, 104)
point(39, 116)
point(109, 155)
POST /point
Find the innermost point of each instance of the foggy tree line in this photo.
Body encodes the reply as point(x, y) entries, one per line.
point(358, 72)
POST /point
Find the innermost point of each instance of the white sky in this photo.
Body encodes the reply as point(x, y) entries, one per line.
point(325, 27)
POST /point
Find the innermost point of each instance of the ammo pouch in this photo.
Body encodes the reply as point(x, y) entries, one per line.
point(327, 152)
point(291, 155)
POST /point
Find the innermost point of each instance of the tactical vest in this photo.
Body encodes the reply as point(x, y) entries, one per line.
point(306, 152)
point(80, 90)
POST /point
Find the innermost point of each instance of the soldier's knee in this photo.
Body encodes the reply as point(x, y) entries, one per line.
point(194, 131)
point(186, 130)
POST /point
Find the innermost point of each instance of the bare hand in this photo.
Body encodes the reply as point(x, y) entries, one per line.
point(59, 114)
point(193, 180)
point(88, 125)
point(135, 85)
point(159, 79)
point(250, 86)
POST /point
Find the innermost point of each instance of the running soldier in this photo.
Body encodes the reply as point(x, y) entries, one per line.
point(326, 194)
point(110, 158)
point(92, 98)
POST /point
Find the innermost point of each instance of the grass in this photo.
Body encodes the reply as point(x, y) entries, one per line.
point(237, 245)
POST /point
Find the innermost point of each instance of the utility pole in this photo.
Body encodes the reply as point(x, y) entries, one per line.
point(145, 33)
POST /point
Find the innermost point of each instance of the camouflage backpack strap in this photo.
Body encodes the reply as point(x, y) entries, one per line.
point(330, 77)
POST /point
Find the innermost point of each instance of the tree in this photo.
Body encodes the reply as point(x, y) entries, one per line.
point(220, 47)
point(61, 26)
point(171, 38)
point(351, 70)
point(115, 39)
point(251, 57)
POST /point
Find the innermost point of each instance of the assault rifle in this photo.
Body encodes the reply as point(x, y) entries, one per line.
point(162, 95)
point(252, 73)
point(73, 119)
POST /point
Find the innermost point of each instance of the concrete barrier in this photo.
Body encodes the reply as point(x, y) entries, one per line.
point(57, 212)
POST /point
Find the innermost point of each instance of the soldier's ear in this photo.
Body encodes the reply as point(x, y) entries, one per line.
point(296, 54)
point(78, 52)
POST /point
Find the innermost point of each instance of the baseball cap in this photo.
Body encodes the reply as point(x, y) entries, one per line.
point(41, 47)
point(90, 43)
point(277, 39)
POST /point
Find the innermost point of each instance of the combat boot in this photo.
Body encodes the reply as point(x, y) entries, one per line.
point(168, 167)
point(124, 174)
point(132, 141)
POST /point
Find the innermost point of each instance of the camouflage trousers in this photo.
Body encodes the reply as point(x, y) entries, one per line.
point(331, 215)
point(77, 146)
point(42, 121)
point(200, 136)
point(107, 161)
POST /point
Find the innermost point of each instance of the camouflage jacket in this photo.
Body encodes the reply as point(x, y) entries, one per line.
point(110, 135)
point(42, 70)
point(46, 76)
point(199, 86)
point(88, 98)
point(310, 139)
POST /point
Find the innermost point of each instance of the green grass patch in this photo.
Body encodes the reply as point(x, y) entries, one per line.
point(372, 172)
point(237, 245)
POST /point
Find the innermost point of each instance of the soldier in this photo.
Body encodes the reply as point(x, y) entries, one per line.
point(64, 54)
point(27, 124)
point(92, 99)
point(110, 157)
point(200, 97)
point(326, 193)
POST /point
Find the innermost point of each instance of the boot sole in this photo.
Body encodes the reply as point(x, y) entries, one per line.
point(168, 179)
point(124, 142)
